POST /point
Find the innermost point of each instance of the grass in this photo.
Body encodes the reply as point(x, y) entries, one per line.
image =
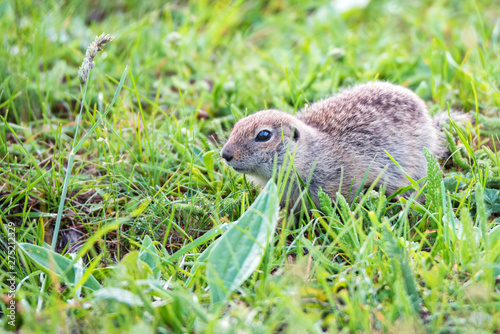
point(147, 192)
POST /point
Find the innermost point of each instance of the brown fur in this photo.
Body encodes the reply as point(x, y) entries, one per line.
point(350, 131)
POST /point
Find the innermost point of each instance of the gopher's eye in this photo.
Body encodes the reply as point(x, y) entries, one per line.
point(264, 135)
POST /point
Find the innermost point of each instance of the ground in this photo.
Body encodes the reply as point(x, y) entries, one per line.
point(134, 155)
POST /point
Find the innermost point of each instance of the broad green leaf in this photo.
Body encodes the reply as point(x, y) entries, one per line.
point(240, 250)
point(200, 261)
point(453, 184)
point(58, 264)
point(491, 196)
point(491, 200)
point(79, 270)
point(149, 255)
point(208, 160)
point(495, 235)
point(118, 295)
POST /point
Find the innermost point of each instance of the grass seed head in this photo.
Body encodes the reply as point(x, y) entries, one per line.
point(88, 62)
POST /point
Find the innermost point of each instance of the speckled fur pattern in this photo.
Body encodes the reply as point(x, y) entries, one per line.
point(350, 131)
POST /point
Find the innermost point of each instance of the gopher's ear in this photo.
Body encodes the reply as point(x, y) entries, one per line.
point(296, 134)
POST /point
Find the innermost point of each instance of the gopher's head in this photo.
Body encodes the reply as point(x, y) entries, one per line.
point(258, 139)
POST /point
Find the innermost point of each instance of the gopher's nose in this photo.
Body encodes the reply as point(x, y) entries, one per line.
point(226, 156)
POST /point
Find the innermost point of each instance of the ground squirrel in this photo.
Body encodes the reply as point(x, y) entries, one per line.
point(349, 131)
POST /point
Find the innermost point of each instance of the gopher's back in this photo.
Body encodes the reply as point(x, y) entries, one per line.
point(367, 120)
